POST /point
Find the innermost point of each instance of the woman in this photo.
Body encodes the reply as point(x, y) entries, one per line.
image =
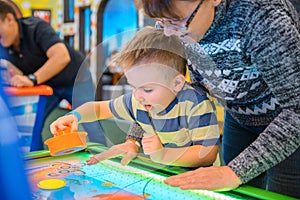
point(254, 70)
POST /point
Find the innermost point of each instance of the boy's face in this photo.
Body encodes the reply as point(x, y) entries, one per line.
point(153, 85)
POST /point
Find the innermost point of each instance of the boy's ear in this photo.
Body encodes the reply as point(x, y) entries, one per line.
point(179, 82)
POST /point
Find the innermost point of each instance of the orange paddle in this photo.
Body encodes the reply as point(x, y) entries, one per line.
point(66, 143)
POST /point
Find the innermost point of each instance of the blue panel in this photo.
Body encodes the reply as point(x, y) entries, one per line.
point(87, 29)
point(119, 16)
point(13, 180)
point(71, 9)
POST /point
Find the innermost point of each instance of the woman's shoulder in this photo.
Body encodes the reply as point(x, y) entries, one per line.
point(194, 93)
point(255, 16)
point(268, 7)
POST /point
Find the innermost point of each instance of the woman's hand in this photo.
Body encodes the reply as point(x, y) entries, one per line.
point(207, 178)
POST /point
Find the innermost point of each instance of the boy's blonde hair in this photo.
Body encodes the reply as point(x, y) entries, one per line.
point(151, 45)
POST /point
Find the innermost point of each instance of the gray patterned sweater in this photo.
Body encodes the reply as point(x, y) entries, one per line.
point(253, 69)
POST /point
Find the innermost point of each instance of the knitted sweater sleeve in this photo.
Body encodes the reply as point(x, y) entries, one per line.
point(135, 132)
point(273, 45)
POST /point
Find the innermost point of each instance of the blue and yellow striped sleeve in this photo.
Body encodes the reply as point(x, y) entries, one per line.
point(121, 107)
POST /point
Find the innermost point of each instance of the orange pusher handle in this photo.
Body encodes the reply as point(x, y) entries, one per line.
point(44, 90)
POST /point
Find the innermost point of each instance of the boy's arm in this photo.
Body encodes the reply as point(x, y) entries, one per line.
point(192, 156)
point(92, 111)
point(87, 112)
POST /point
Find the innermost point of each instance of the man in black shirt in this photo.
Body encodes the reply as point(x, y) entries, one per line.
point(33, 46)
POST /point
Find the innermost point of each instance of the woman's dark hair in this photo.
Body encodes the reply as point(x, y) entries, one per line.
point(158, 8)
point(161, 8)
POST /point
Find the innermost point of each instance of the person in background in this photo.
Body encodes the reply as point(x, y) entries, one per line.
point(114, 67)
point(32, 45)
point(254, 48)
point(179, 121)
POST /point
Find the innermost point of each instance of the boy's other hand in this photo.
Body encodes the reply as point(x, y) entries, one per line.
point(128, 150)
point(151, 143)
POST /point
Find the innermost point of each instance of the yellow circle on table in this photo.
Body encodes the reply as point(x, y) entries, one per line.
point(51, 184)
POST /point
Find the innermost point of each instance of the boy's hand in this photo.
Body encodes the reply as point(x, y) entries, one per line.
point(67, 123)
point(151, 143)
point(127, 149)
point(92, 161)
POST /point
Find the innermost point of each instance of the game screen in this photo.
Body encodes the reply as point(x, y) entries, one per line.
point(105, 180)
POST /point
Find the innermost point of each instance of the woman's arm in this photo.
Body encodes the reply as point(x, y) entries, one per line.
point(193, 156)
point(274, 48)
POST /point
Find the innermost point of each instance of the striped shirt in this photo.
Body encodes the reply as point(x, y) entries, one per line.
point(189, 120)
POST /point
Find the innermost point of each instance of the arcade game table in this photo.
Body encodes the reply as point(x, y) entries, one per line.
point(141, 179)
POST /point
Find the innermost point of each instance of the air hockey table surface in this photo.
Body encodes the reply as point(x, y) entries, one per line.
point(141, 179)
